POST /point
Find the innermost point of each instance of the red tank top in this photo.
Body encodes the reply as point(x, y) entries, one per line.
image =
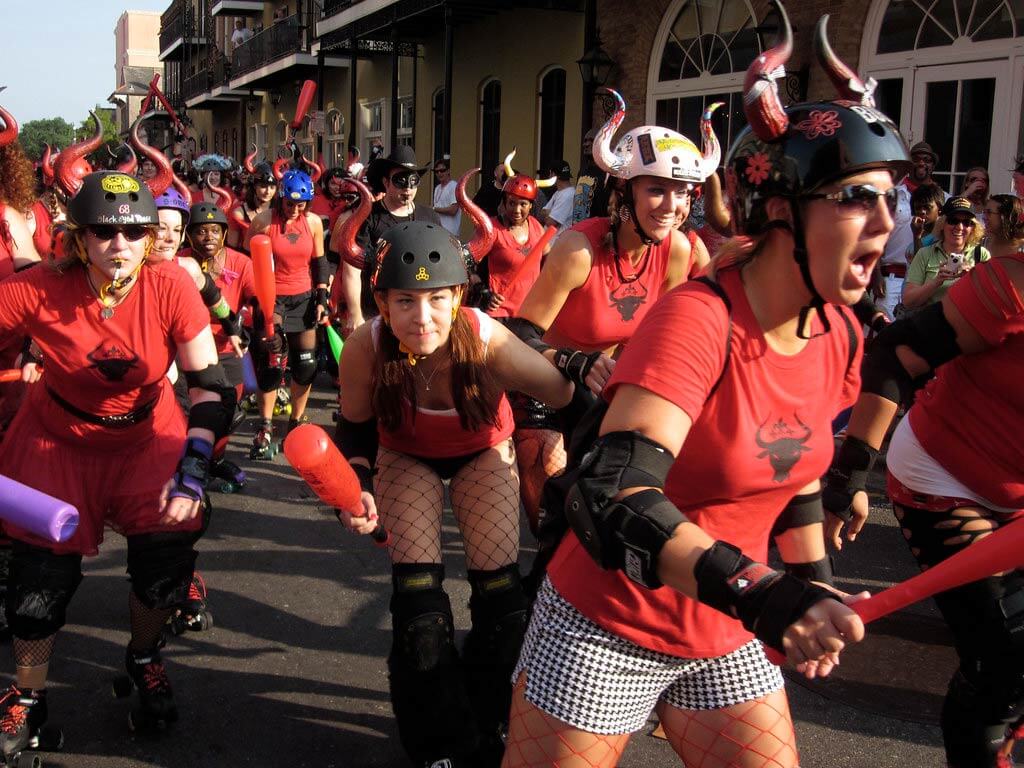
point(292, 244)
point(439, 434)
point(608, 307)
point(41, 238)
point(505, 258)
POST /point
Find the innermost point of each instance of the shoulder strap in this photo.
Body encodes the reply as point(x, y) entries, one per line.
point(852, 336)
point(720, 293)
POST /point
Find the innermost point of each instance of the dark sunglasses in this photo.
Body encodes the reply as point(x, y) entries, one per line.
point(105, 232)
point(859, 199)
point(440, 170)
point(969, 223)
point(350, 197)
point(406, 180)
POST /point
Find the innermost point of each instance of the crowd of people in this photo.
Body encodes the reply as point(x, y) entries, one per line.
point(659, 404)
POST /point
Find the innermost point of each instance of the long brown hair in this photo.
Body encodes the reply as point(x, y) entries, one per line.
point(17, 181)
point(475, 391)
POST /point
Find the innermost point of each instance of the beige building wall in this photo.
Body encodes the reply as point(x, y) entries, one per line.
point(136, 44)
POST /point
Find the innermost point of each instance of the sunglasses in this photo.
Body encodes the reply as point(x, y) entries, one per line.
point(440, 170)
point(106, 232)
point(409, 180)
point(859, 199)
point(350, 197)
point(968, 223)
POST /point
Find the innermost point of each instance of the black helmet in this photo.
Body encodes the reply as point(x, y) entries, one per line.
point(206, 213)
point(792, 151)
point(418, 255)
point(264, 172)
point(112, 197)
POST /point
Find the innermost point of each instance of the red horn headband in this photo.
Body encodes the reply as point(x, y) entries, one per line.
point(483, 240)
point(847, 82)
point(164, 173)
point(761, 102)
point(71, 166)
point(10, 131)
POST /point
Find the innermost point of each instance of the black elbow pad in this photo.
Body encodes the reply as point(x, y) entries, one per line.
point(530, 333)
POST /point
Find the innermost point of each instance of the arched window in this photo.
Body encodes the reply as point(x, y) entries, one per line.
point(705, 51)
point(551, 144)
point(438, 110)
point(913, 25)
point(490, 125)
point(335, 139)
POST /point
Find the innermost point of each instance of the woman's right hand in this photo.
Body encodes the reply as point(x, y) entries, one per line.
point(599, 373)
point(814, 641)
point(362, 524)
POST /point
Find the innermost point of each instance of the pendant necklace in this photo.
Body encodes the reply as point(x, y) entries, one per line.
point(428, 379)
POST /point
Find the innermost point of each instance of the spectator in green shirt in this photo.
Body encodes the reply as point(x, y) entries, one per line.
point(957, 249)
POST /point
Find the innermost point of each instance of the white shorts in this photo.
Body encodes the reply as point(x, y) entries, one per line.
point(602, 683)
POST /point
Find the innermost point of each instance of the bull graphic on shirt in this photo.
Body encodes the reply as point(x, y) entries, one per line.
point(292, 237)
point(627, 298)
point(113, 362)
point(783, 444)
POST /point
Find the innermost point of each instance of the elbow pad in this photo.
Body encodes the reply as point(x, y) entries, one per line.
point(627, 534)
point(210, 292)
point(804, 509)
point(356, 439)
point(530, 333)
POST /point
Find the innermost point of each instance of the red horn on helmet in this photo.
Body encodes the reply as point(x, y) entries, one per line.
point(483, 240)
point(715, 209)
point(130, 165)
point(10, 131)
point(350, 251)
point(164, 173)
point(224, 198)
point(847, 82)
point(280, 166)
point(250, 158)
point(71, 166)
point(46, 163)
point(761, 102)
point(605, 158)
point(315, 170)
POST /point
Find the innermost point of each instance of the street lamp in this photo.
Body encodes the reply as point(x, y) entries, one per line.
point(275, 97)
point(596, 66)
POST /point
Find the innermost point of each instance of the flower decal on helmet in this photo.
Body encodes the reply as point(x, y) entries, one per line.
point(758, 167)
point(820, 123)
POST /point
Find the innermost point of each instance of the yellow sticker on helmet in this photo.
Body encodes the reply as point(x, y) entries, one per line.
point(667, 143)
point(119, 184)
point(422, 274)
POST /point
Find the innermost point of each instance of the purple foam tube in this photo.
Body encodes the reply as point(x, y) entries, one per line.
point(36, 512)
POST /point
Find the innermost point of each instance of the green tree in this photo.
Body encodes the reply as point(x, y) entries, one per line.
point(55, 131)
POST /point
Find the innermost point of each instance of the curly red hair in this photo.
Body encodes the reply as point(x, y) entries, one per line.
point(17, 180)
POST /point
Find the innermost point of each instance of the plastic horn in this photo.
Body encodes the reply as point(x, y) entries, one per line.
point(317, 459)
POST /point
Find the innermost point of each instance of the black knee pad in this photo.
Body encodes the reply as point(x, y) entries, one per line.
point(40, 587)
point(433, 713)
point(983, 705)
point(304, 367)
point(161, 564)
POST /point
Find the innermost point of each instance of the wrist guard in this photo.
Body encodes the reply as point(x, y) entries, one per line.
point(765, 601)
point(193, 470)
point(819, 570)
point(231, 325)
point(320, 298)
point(847, 475)
point(575, 365)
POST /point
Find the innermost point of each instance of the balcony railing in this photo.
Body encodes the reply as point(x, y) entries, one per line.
point(332, 7)
point(287, 36)
point(196, 85)
point(172, 27)
point(222, 70)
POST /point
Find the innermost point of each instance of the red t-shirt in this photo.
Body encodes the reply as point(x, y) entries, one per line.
point(606, 309)
point(505, 258)
point(969, 418)
point(237, 286)
point(41, 238)
point(293, 248)
point(439, 434)
point(761, 438)
point(102, 367)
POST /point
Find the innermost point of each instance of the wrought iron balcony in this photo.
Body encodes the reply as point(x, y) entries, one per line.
point(332, 7)
point(289, 35)
point(196, 85)
point(172, 26)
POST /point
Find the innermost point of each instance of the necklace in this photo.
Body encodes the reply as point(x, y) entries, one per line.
point(427, 380)
point(106, 297)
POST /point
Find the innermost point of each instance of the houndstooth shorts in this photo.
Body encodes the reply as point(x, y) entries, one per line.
point(602, 683)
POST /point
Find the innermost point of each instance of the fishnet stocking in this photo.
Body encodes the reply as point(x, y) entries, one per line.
point(755, 734)
point(540, 454)
point(485, 499)
point(147, 624)
point(536, 739)
point(33, 653)
point(409, 498)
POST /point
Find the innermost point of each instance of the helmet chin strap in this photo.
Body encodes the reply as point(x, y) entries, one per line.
point(630, 205)
point(817, 303)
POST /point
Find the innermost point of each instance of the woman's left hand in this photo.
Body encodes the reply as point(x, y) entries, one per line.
point(176, 509)
point(814, 641)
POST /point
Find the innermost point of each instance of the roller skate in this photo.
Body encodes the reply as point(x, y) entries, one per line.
point(193, 614)
point(147, 675)
point(283, 404)
point(293, 423)
point(23, 728)
point(263, 446)
point(228, 477)
point(249, 403)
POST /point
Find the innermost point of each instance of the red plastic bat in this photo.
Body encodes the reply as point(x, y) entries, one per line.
point(302, 106)
point(535, 254)
point(317, 459)
point(263, 275)
point(1001, 551)
point(10, 374)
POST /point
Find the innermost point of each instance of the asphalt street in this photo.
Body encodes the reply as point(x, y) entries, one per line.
point(293, 671)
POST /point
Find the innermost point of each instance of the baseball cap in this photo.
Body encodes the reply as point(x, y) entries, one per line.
point(958, 205)
point(563, 170)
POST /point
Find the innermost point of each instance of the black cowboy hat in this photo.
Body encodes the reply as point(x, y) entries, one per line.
point(401, 156)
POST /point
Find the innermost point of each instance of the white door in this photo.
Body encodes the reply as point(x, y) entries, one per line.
point(961, 110)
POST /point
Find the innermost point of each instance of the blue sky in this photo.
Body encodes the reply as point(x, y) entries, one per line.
point(65, 71)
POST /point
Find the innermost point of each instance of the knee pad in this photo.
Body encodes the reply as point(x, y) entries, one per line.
point(41, 586)
point(982, 709)
point(268, 378)
point(161, 565)
point(304, 367)
point(433, 713)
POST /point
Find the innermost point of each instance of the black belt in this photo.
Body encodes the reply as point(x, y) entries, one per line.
point(116, 421)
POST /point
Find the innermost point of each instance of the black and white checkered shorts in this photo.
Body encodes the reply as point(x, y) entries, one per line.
point(602, 683)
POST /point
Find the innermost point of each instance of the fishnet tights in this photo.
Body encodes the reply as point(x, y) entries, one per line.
point(485, 499)
point(536, 739)
point(33, 653)
point(147, 624)
point(756, 734)
point(540, 454)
